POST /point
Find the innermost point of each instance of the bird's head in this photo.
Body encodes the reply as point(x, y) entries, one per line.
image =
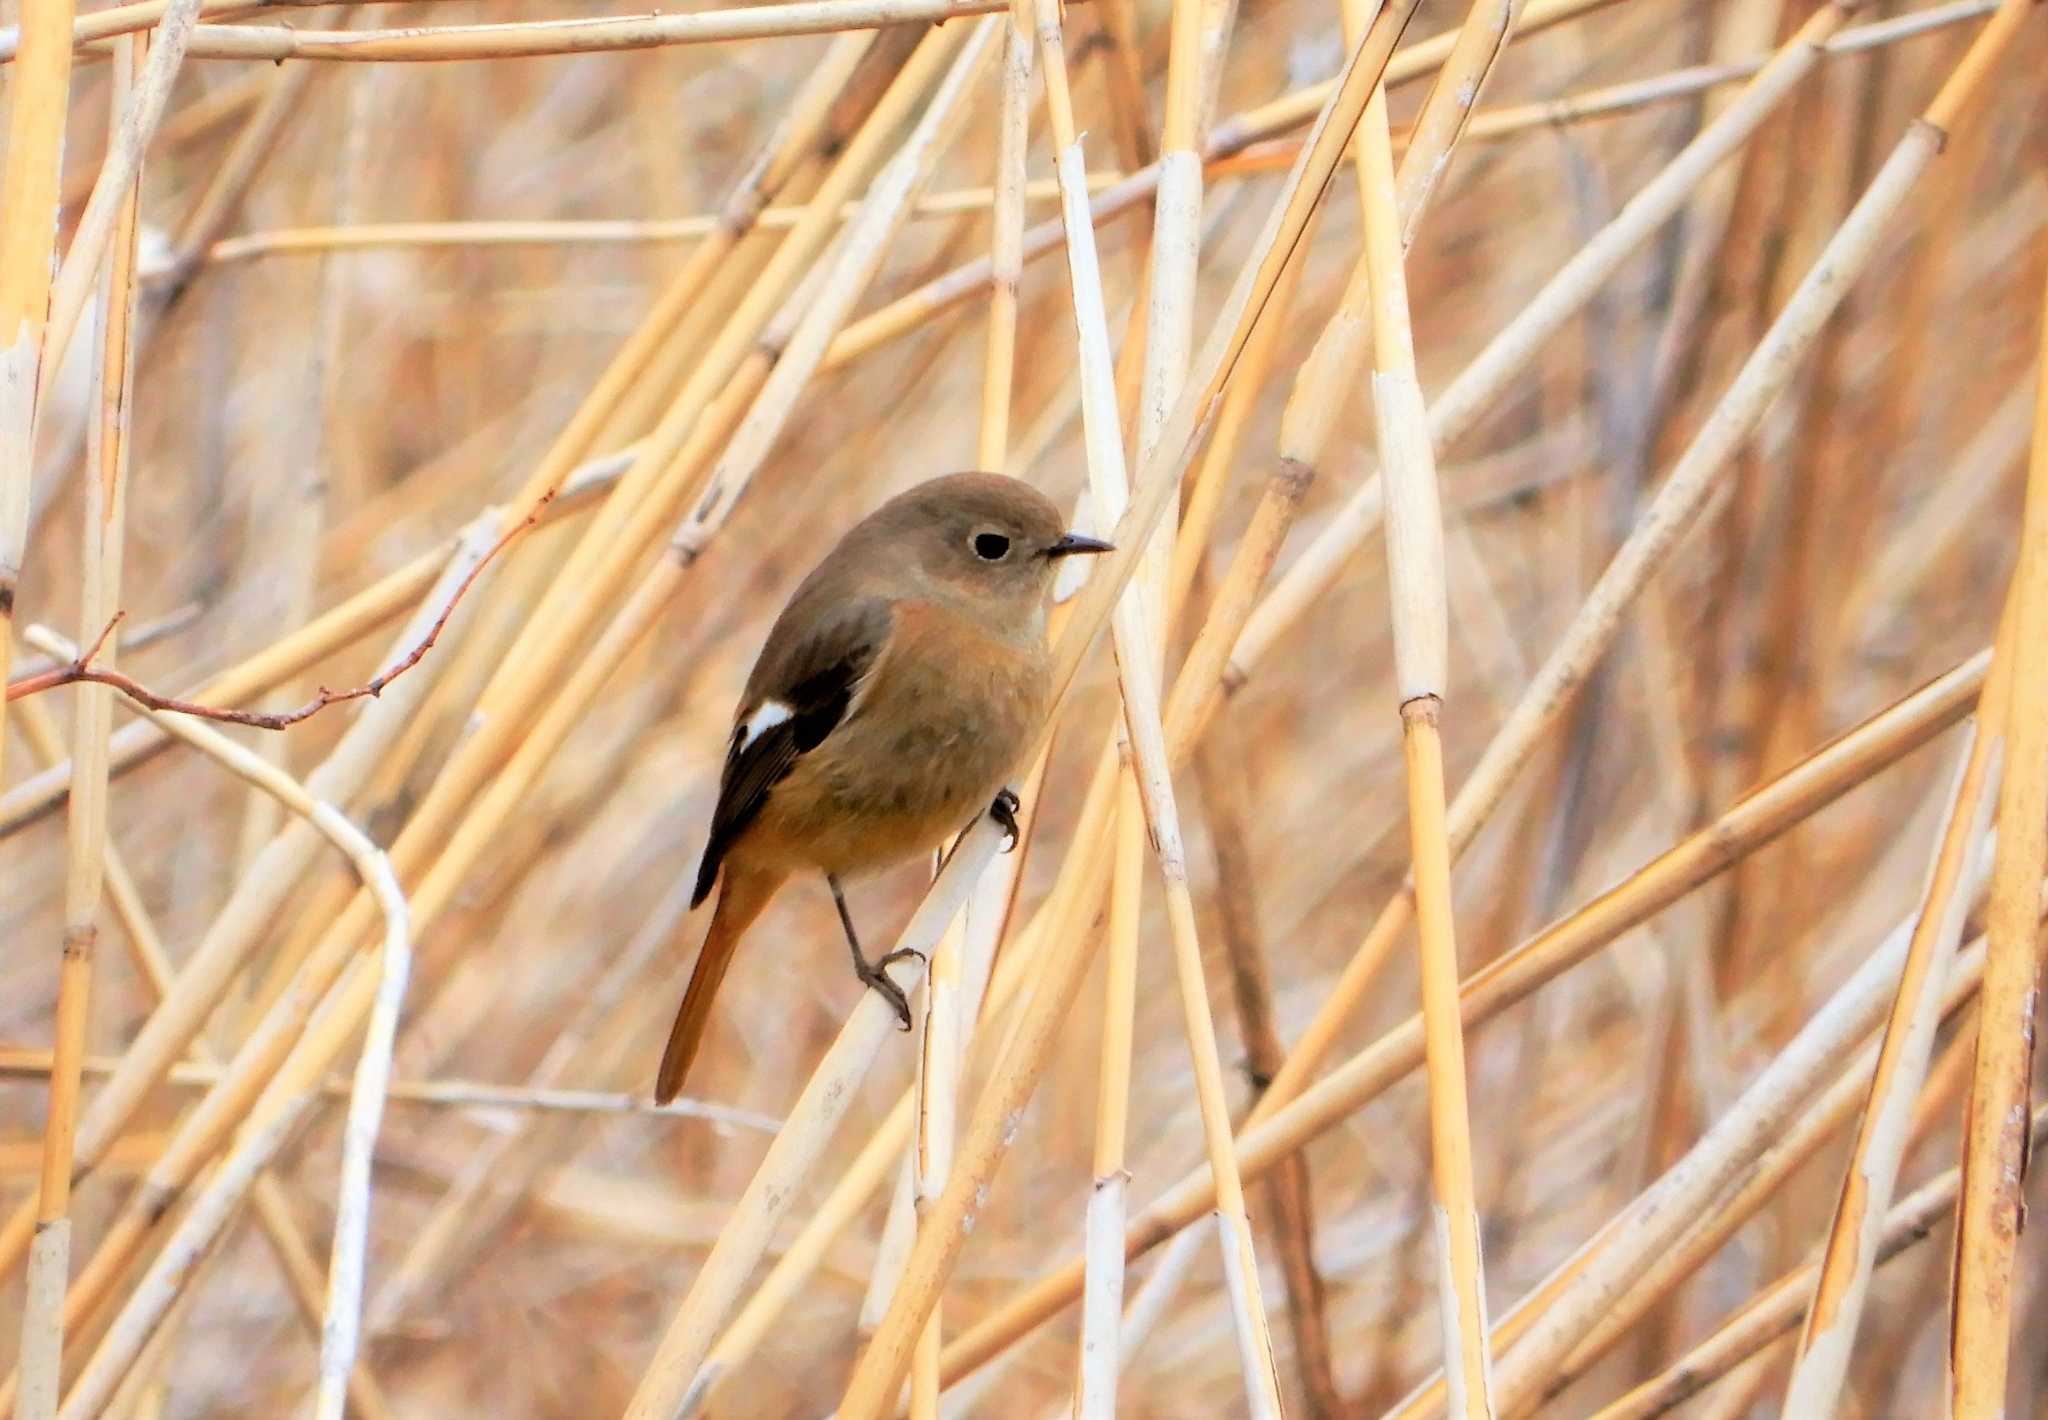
point(984, 538)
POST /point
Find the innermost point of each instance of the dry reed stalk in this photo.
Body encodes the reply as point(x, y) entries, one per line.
point(1995, 1139)
point(28, 230)
point(175, 1267)
point(1140, 637)
point(880, 1371)
point(1248, 570)
point(234, 932)
point(1769, 1170)
point(1218, 765)
point(196, 1233)
point(275, 872)
point(39, 794)
point(111, 195)
point(1490, 125)
point(1420, 613)
point(1205, 496)
point(650, 494)
point(1756, 819)
point(1777, 1308)
point(941, 1047)
point(952, 1000)
point(104, 523)
point(273, 1210)
point(955, 984)
point(24, 1064)
point(1774, 1168)
point(343, 624)
point(1065, 913)
point(811, 1125)
point(144, 1394)
point(341, 1330)
point(295, 509)
point(1448, 110)
point(530, 38)
point(1223, 139)
point(1746, 1385)
point(800, 1260)
point(1677, 500)
point(987, 998)
point(1006, 239)
point(481, 1195)
point(1305, 431)
point(268, 1049)
point(1102, 1301)
point(1560, 1314)
point(363, 236)
point(1821, 1363)
point(117, 20)
point(899, 1231)
point(1485, 125)
point(1306, 424)
point(675, 1378)
point(562, 800)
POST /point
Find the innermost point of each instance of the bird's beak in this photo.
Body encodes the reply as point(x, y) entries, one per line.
point(1071, 544)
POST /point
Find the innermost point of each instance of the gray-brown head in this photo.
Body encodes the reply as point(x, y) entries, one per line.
point(983, 538)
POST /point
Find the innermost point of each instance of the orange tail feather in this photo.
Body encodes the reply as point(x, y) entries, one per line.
point(740, 901)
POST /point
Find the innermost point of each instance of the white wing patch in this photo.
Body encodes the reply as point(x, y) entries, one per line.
point(766, 716)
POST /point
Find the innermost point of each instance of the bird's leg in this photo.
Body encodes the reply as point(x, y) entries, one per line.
point(875, 974)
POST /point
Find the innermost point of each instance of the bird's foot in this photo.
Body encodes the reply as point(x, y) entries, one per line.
point(1004, 812)
point(876, 975)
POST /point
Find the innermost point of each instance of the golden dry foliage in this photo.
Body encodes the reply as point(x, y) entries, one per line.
point(1580, 471)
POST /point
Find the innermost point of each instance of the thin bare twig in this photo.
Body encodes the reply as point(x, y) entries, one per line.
point(83, 669)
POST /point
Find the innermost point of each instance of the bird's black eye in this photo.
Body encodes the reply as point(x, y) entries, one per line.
point(991, 547)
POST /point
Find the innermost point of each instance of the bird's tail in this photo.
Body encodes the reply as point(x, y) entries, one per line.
point(745, 893)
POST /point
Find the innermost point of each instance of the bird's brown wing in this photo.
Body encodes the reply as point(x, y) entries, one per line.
point(813, 676)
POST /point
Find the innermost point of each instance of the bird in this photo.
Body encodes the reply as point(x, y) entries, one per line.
point(893, 699)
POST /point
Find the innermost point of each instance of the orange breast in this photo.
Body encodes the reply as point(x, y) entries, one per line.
point(934, 733)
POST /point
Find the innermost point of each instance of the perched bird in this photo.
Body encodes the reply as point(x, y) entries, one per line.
point(896, 693)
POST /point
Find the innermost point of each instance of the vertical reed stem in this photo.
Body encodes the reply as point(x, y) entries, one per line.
point(1995, 1140)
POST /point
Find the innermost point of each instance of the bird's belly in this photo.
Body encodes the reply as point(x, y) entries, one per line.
point(885, 788)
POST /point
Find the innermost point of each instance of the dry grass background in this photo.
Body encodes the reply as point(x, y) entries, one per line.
point(310, 415)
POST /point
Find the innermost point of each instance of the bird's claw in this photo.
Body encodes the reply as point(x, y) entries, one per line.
point(877, 977)
point(1004, 812)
